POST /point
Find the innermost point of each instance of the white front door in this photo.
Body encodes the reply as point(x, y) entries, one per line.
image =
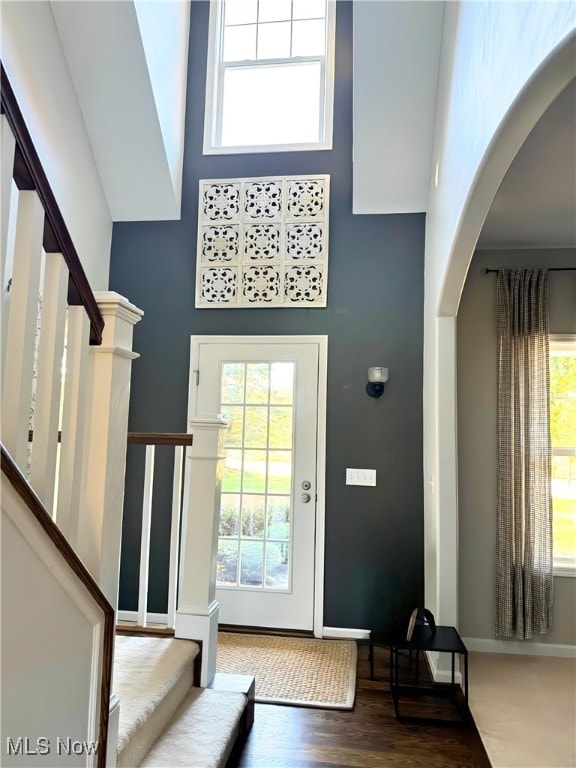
point(267, 388)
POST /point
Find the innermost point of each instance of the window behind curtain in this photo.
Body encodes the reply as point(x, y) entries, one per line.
point(270, 76)
point(563, 434)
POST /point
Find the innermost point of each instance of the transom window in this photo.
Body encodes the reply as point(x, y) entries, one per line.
point(563, 434)
point(270, 76)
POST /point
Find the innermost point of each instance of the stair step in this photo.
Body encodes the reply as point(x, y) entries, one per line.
point(202, 732)
point(246, 684)
point(152, 676)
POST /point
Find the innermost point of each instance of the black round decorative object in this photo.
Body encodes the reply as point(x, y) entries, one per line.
point(375, 388)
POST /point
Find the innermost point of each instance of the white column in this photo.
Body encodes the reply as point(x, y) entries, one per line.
point(21, 333)
point(48, 387)
point(100, 524)
point(197, 613)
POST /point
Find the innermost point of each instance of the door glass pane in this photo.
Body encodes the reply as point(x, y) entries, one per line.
point(281, 383)
point(231, 476)
point(235, 415)
point(278, 518)
point(229, 514)
point(253, 516)
point(227, 568)
point(257, 382)
point(233, 382)
point(279, 471)
point(254, 474)
point(255, 534)
point(280, 427)
point(277, 563)
point(256, 435)
point(251, 563)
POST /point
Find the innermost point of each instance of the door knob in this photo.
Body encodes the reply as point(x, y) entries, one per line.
point(306, 498)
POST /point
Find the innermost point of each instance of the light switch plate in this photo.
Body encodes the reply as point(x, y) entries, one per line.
point(360, 476)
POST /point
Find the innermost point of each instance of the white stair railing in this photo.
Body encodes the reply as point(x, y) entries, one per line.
point(151, 441)
point(43, 284)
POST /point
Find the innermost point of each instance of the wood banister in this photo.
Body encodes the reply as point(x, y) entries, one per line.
point(159, 438)
point(26, 493)
point(29, 175)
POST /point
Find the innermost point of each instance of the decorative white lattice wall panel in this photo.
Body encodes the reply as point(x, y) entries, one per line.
point(263, 242)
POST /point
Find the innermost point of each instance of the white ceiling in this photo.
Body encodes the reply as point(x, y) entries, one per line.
point(535, 206)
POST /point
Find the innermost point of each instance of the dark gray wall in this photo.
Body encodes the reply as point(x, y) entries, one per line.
point(374, 536)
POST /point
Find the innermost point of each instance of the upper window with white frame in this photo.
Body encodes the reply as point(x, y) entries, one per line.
point(270, 77)
point(563, 434)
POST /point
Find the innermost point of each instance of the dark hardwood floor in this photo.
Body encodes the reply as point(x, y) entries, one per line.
point(367, 736)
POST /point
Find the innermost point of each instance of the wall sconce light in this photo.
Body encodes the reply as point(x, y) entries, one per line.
point(376, 380)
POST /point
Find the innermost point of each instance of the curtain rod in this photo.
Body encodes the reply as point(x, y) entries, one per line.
point(487, 270)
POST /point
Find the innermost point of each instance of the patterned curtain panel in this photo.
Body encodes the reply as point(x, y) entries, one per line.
point(524, 537)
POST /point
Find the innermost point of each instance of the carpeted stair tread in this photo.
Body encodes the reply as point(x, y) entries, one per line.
point(201, 733)
point(151, 678)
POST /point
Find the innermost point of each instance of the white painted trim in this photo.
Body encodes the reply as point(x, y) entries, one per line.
point(177, 485)
point(48, 385)
point(341, 633)
point(21, 330)
point(320, 486)
point(443, 674)
point(199, 610)
point(145, 535)
point(153, 618)
point(8, 144)
point(262, 149)
point(201, 628)
point(322, 342)
point(75, 425)
point(520, 647)
point(119, 351)
point(112, 303)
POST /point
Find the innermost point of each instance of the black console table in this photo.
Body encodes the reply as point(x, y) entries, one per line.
point(425, 638)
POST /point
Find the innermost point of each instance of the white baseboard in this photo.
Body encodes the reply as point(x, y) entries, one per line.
point(488, 645)
point(341, 633)
point(154, 618)
point(440, 675)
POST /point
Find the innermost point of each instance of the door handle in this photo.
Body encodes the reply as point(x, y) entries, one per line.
point(306, 498)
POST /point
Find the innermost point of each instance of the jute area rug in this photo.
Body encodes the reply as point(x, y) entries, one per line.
point(292, 670)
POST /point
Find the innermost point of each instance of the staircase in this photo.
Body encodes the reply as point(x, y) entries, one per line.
point(63, 451)
point(164, 719)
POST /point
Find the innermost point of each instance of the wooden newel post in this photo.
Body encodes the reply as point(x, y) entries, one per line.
point(197, 612)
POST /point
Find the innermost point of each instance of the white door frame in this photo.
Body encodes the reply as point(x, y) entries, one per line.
point(320, 522)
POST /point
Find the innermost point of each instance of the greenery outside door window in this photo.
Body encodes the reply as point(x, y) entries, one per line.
point(563, 434)
point(254, 545)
